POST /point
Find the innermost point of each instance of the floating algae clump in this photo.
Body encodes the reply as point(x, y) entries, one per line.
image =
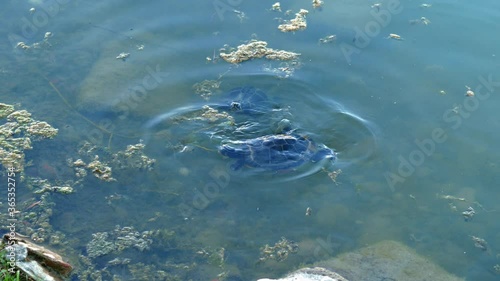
point(298, 23)
point(100, 170)
point(17, 134)
point(257, 49)
point(133, 158)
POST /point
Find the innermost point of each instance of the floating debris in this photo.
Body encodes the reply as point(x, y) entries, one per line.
point(442, 92)
point(425, 5)
point(425, 21)
point(213, 59)
point(47, 35)
point(328, 39)
point(422, 20)
point(241, 15)
point(32, 11)
point(333, 175)
point(284, 70)
point(394, 36)
point(257, 49)
point(17, 135)
point(450, 197)
point(468, 214)
point(453, 208)
point(140, 47)
point(123, 56)
point(276, 7)
point(298, 23)
point(469, 92)
point(206, 88)
point(317, 4)
point(37, 45)
point(376, 6)
point(22, 45)
point(308, 211)
point(480, 243)
point(279, 251)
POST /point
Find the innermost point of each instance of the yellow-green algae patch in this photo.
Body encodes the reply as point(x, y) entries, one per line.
point(257, 49)
point(16, 135)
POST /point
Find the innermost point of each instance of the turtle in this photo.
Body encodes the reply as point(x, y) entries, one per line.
point(247, 100)
point(275, 152)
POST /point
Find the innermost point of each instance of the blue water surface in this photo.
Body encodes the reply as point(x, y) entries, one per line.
point(408, 139)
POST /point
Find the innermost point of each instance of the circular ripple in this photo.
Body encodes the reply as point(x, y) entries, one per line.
point(311, 113)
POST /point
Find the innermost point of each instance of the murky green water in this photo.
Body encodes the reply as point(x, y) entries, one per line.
point(405, 148)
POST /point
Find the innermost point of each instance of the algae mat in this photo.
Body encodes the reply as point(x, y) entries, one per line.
point(387, 260)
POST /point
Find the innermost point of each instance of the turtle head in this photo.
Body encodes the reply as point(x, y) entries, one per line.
point(235, 106)
point(324, 152)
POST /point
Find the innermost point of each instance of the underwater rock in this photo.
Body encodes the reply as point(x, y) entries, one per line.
point(38, 262)
point(109, 72)
point(387, 260)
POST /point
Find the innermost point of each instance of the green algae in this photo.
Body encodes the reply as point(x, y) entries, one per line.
point(17, 134)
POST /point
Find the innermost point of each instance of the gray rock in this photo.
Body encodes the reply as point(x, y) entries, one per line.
point(387, 260)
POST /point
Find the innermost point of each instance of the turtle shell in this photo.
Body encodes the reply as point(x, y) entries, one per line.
point(275, 152)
